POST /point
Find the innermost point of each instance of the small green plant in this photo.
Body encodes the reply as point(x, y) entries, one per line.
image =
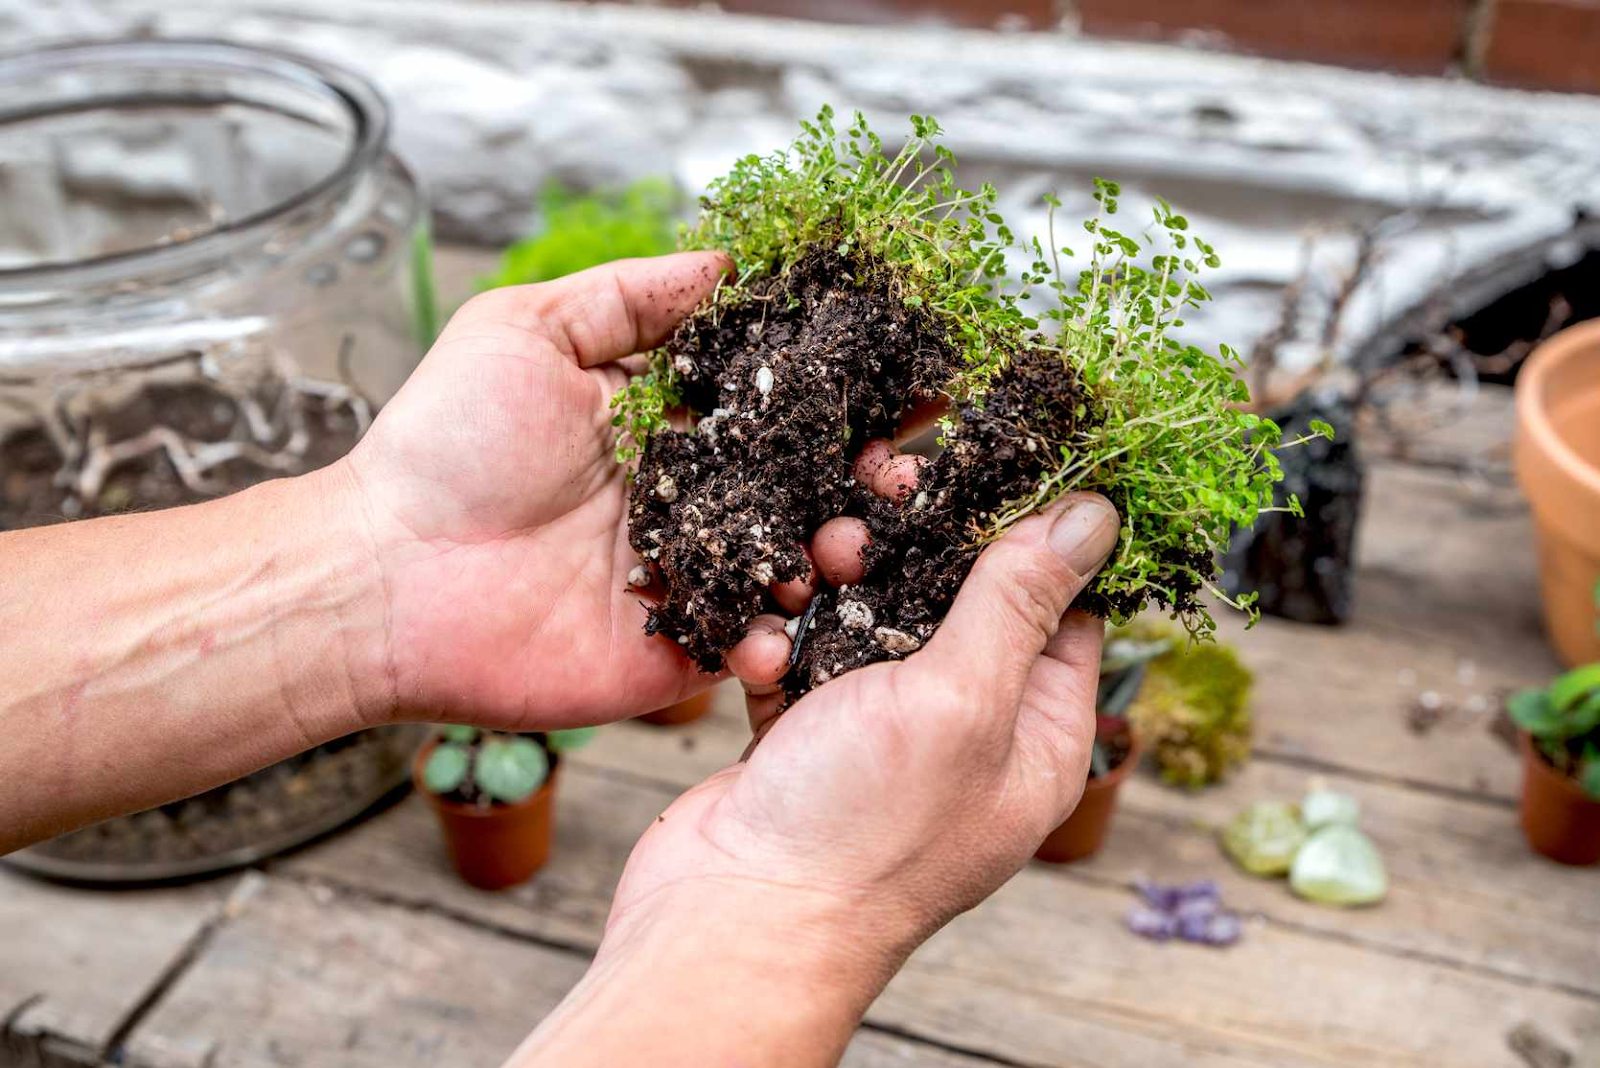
point(484, 767)
point(1564, 721)
point(425, 306)
point(1160, 431)
point(578, 231)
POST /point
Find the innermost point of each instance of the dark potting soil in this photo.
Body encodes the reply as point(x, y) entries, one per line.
point(789, 386)
point(32, 494)
point(1117, 748)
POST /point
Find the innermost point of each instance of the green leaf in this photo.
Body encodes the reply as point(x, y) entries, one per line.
point(568, 740)
point(1566, 691)
point(1320, 427)
point(1589, 771)
point(1533, 711)
point(1584, 716)
point(511, 769)
point(460, 733)
point(446, 768)
point(424, 299)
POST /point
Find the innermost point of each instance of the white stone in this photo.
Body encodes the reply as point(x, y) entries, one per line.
point(854, 615)
point(896, 641)
point(639, 576)
point(764, 381)
point(791, 626)
point(666, 489)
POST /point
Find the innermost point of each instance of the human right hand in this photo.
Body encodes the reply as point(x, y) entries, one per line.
point(788, 888)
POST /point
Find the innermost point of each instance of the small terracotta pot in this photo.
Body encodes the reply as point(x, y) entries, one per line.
point(1558, 818)
point(686, 711)
point(499, 846)
point(1085, 830)
point(1558, 464)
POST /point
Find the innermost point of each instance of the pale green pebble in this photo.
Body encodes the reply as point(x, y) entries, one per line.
point(1338, 865)
point(1322, 808)
point(1264, 838)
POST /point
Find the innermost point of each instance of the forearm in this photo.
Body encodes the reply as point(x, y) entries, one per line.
point(148, 657)
point(722, 981)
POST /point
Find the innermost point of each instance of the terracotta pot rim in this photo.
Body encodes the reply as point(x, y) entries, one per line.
point(1113, 778)
point(1554, 351)
point(1565, 783)
point(476, 812)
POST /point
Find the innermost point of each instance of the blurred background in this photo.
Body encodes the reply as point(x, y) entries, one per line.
point(217, 262)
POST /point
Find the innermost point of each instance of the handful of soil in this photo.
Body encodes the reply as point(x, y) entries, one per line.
point(870, 284)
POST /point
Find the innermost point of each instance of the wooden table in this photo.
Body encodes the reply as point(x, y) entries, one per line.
point(366, 951)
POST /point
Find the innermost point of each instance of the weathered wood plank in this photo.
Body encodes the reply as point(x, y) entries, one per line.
point(74, 963)
point(400, 854)
point(1464, 887)
point(1447, 601)
point(305, 975)
point(1043, 973)
point(1529, 919)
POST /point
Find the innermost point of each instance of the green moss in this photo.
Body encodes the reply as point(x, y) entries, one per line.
point(1194, 712)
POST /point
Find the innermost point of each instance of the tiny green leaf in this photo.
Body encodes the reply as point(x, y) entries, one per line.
point(1533, 711)
point(1576, 684)
point(511, 769)
point(446, 768)
point(1589, 771)
point(1320, 427)
point(459, 733)
point(568, 740)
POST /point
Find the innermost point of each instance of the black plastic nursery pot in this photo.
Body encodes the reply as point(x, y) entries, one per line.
point(1304, 568)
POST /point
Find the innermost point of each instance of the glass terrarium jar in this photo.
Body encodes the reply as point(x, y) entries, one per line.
point(213, 270)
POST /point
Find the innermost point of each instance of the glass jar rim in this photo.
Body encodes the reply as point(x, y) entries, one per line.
point(356, 96)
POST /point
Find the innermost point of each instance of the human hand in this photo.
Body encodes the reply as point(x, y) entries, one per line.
point(898, 795)
point(494, 511)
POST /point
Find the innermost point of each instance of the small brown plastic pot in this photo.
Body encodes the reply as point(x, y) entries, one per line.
point(685, 711)
point(1558, 818)
point(500, 846)
point(1085, 830)
point(1558, 464)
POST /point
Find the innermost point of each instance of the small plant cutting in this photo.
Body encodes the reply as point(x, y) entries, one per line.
point(868, 282)
point(1561, 760)
point(494, 795)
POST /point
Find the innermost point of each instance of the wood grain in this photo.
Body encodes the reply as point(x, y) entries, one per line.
point(305, 975)
point(75, 963)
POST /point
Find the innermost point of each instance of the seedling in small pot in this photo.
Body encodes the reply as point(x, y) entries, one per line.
point(494, 796)
point(1561, 761)
point(867, 284)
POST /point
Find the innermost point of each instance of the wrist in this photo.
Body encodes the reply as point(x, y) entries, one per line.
point(718, 973)
point(329, 574)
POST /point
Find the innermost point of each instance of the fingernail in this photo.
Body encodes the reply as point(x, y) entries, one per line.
point(1085, 534)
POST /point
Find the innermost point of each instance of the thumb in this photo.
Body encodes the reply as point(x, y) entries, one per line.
point(1011, 604)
